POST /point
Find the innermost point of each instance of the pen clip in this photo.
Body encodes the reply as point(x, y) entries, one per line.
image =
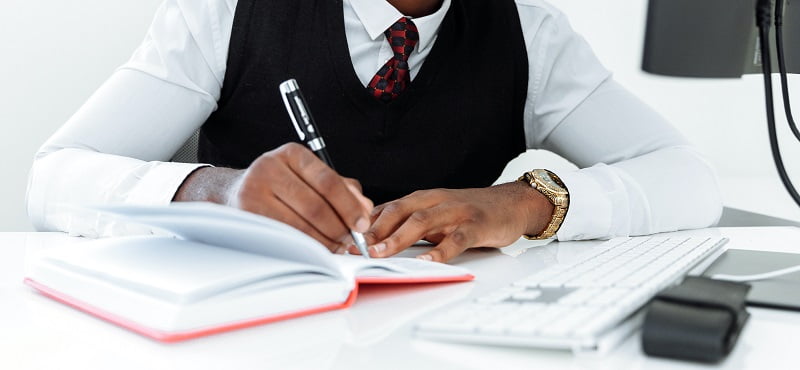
point(287, 87)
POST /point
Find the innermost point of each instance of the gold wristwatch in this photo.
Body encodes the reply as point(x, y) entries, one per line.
point(554, 189)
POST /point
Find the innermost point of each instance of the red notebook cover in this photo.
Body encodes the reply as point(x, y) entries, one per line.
point(170, 337)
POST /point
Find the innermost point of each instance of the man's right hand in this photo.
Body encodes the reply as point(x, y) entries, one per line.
point(289, 184)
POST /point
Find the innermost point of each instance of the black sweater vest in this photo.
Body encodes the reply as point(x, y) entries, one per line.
point(456, 126)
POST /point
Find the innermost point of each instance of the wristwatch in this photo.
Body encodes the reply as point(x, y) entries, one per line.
point(554, 189)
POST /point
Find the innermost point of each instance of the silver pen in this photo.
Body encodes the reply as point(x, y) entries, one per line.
point(309, 134)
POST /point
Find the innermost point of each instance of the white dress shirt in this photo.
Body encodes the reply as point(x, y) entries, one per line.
point(638, 176)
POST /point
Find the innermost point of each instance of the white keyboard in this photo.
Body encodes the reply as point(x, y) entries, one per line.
point(589, 305)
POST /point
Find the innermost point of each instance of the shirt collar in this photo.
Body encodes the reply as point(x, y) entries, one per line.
point(379, 15)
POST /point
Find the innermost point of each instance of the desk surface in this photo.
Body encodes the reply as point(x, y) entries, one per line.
point(37, 333)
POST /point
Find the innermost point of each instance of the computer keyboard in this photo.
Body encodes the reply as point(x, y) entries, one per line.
point(588, 305)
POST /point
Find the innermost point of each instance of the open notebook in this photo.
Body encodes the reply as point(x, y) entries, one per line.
point(225, 269)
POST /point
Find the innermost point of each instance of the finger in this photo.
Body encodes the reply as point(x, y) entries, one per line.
point(356, 190)
point(388, 217)
point(352, 249)
point(354, 183)
point(452, 245)
point(307, 203)
point(328, 184)
point(416, 226)
point(278, 210)
point(435, 238)
point(376, 212)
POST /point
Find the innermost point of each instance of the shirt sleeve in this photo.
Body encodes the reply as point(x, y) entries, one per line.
point(115, 148)
point(637, 174)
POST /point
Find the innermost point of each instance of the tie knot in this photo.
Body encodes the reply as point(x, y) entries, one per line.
point(402, 36)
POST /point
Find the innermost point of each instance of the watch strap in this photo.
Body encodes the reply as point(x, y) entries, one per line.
point(558, 197)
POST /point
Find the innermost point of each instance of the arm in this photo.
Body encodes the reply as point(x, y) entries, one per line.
point(113, 149)
point(636, 184)
point(638, 174)
point(645, 177)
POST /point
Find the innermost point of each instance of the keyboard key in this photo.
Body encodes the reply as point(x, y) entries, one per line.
point(607, 318)
point(533, 323)
point(579, 297)
point(569, 322)
point(608, 297)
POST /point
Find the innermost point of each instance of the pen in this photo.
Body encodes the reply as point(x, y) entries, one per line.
point(309, 134)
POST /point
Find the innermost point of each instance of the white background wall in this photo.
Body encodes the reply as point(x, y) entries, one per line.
point(54, 54)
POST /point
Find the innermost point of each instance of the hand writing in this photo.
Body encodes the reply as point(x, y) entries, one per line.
point(457, 220)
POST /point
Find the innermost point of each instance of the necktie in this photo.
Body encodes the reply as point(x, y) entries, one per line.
point(393, 78)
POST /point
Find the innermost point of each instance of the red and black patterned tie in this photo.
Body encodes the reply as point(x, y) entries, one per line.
point(393, 78)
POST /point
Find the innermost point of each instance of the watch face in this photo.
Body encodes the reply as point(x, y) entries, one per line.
point(549, 181)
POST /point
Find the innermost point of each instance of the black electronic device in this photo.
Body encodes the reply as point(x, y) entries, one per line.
point(728, 38)
point(697, 320)
point(721, 39)
point(713, 38)
point(779, 292)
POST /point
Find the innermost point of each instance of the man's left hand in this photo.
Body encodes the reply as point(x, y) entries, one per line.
point(457, 220)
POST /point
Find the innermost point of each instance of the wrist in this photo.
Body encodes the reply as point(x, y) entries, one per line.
point(209, 184)
point(550, 186)
point(538, 209)
point(530, 207)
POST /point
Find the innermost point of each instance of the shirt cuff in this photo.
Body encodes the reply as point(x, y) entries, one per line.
point(597, 204)
point(160, 183)
point(153, 184)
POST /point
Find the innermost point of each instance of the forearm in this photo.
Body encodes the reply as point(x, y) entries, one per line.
point(111, 151)
point(79, 176)
point(682, 194)
point(640, 174)
point(666, 190)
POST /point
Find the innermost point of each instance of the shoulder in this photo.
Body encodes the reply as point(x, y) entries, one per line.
point(203, 8)
point(539, 6)
point(183, 27)
point(202, 14)
point(536, 13)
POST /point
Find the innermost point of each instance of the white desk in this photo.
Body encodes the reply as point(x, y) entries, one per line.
point(376, 333)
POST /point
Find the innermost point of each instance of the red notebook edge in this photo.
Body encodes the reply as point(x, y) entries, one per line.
point(414, 280)
point(172, 337)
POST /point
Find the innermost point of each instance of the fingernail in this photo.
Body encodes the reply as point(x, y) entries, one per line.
point(340, 250)
point(377, 249)
point(362, 225)
point(425, 257)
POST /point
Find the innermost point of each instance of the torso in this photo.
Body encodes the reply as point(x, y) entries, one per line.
point(456, 126)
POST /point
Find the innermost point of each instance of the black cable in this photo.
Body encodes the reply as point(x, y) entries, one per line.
point(763, 16)
point(782, 68)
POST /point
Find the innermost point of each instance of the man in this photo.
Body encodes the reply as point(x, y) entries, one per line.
point(422, 101)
